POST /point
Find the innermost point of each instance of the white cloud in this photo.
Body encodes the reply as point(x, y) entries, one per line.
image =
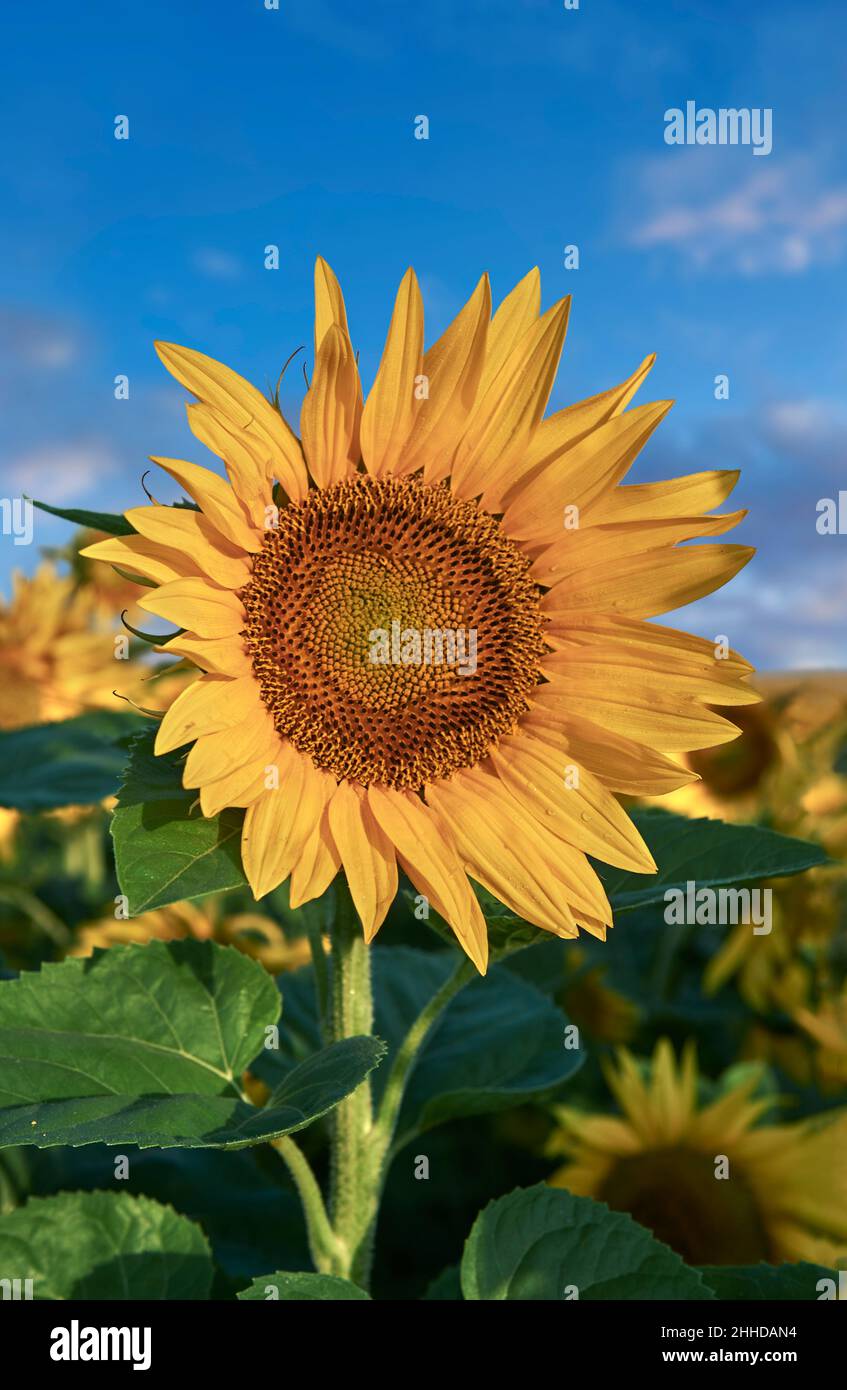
point(218, 265)
point(776, 220)
point(61, 473)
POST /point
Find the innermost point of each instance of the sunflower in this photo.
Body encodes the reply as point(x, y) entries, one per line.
point(326, 590)
point(57, 655)
point(253, 933)
point(785, 1193)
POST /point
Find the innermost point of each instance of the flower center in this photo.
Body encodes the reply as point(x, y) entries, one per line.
point(674, 1193)
point(395, 632)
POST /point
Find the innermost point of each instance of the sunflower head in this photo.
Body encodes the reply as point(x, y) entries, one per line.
point(421, 626)
point(710, 1179)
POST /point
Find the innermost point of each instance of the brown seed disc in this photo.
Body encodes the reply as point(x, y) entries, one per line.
point(360, 620)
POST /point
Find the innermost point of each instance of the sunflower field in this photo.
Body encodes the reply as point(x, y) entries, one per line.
point(333, 969)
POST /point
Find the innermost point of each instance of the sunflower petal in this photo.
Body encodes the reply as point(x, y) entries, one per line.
point(644, 586)
point(504, 418)
point(430, 860)
point(222, 656)
point(584, 814)
point(191, 533)
point(211, 704)
point(278, 825)
point(366, 853)
point(517, 313)
point(246, 463)
point(316, 867)
point(222, 388)
point(329, 416)
point(693, 495)
point(606, 544)
point(452, 368)
point(392, 403)
point(142, 556)
point(217, 501)
point(581, 473)
point(197, 605)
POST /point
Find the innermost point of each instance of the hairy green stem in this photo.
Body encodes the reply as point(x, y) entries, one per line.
point(324, 1246)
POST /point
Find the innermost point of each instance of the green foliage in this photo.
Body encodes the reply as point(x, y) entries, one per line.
point(146, 1045)
point(499, 1043)
point(105, 1245)
point(710, 853)
point(539, 1243)
point(312, 1288)
point(789, 1282)
point(111, 522)
point(75, 762)
point(165, 850)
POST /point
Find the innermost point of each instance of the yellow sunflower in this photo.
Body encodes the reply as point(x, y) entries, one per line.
point(328, 587)
point(708, 1180)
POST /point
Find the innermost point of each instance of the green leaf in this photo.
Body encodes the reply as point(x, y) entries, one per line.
point(499, 1043)
point(313, 1288)
point(707, 852)
point(789, 1282)
point(541, 1243)
point(446, 1287)
point(165, 850)
point(146, 1045)
point(110, 522)
point(76, 762)
point(104, 1245)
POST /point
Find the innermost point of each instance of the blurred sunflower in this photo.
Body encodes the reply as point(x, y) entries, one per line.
point(251, 932)
point(445, 504)
point(57, 658)
point(785, 1197)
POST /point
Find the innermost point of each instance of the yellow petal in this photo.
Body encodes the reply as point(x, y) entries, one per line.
point(328, 419)
point(584, 815)
point(619, 675)
point(659, 643)
point(390, 409)
point(517, 313)
point(672, 725)
point(504, 418)
point(511, 867)
point(198, 606)
point(141, 556)
point(216, 500)
point(215, 756)
point(277, 826)
point(619, 762)
point(316, 867)
point(212, 703)
point(367, 855)
point(567, 427)
point(246, 462)
point(605, 544)
point(581, 473)
point(452, 368)
point(191, 533)
point(424, 849)
point(645, 585)
point(239, 788)
point(329, 303)
point(692, 495)
point(226, 391)
point(223, 656)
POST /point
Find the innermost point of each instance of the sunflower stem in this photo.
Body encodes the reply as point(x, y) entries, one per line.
point(353, 1200)
point(324, 1246)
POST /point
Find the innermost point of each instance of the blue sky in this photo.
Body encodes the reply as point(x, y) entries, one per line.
point(251, 126)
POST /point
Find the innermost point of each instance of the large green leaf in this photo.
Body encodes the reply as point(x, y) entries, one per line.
point(165, 849)
point(312, 1288)
point(76, 762)
point(709, 853)
point(542, 1243)
point(789, 1282)
point(146, 1045)
point(108, 1245)
point(111, 522)
point(498, 1044)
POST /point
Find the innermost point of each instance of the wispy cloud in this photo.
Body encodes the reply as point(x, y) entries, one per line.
point(776, 220)
point(61, 473)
